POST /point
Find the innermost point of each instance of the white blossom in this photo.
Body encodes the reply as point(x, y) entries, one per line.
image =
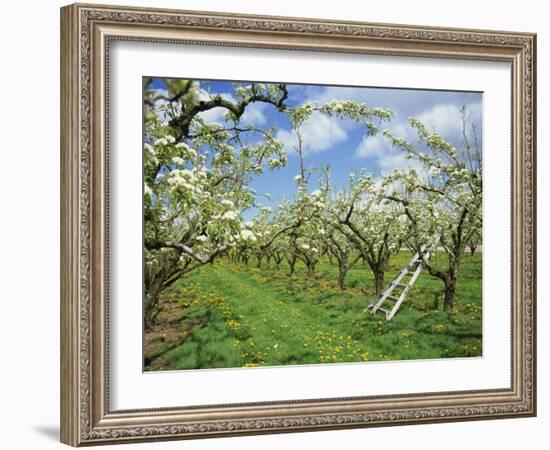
point(316, 193)
point(248, 235)
point(161, 141)
point(148, 190)
point(229, 215)
point(434, 171)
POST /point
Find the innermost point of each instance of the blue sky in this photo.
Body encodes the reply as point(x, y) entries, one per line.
point(343, 144)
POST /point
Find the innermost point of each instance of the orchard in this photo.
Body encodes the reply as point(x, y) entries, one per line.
point(342, 242)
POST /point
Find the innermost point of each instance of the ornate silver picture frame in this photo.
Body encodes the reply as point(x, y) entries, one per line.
point(87, 32)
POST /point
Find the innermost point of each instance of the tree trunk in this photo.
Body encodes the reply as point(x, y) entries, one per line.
point(450, 288)
point(379, 279)
point(472, 249)
point(151, 304)
point(292, 265)
point(259, 265)
point(342, 272)
point(310, 269)
point(268, 262)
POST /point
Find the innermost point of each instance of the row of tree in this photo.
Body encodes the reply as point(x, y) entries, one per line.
point(197, 184)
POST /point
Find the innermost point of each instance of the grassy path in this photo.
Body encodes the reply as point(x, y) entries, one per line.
point(228, 315)
point(282, 329)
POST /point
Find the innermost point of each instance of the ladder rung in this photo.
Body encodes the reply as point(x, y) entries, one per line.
point(413, 268)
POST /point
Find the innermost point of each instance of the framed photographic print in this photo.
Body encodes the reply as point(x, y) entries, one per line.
point(278, 224)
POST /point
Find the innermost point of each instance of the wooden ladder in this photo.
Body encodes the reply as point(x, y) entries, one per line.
point(395, 299)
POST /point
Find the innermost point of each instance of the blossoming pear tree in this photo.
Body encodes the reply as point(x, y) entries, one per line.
point(196, 177)
point(373, 225)
point(442, 198)
point(307, 238)
point(244, 244)
point(311, 241)
point(344, 252)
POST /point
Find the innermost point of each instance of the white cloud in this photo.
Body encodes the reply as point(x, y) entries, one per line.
point(443, 119)
point(446, 121)
point(203, 94)
point(288, 138)
point(319, 133)
point(214, 115)
point(387, 158)
point(370, 146)
point(254, 114)
point(404, 131)
point(397, 160)
point(330, 93)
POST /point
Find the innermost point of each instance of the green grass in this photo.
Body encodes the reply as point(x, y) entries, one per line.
point(243, 316)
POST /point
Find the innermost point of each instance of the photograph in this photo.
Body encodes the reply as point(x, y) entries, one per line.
point(294, 224)
point(292, 220)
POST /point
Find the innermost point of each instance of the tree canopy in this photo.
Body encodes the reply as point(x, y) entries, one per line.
point(198, 178)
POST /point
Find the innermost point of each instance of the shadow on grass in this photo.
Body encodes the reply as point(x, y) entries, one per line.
point(189, 327)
